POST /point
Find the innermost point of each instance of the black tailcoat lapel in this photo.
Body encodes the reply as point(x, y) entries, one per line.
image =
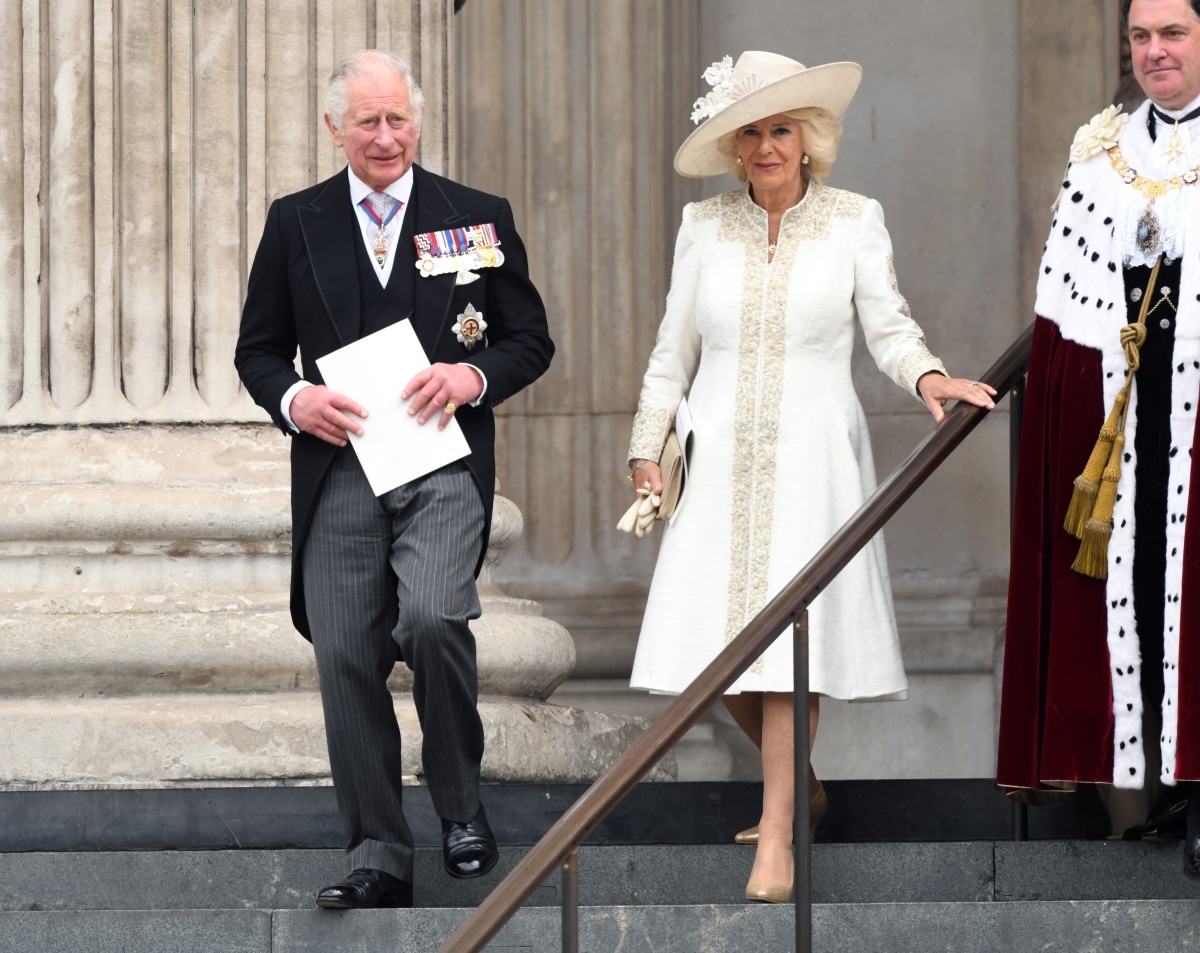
point(329, 232)
point(431, 300)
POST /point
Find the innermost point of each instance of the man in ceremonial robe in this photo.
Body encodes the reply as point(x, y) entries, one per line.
point(1102, 661)
point(381, 579)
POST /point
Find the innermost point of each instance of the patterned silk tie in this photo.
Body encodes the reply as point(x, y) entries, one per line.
point(381, 208)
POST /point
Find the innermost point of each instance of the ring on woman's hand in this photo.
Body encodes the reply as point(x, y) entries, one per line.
point(451, 407)
point(974, 383)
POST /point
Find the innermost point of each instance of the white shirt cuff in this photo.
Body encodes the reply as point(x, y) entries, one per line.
point(285, 405)
point(483, 377)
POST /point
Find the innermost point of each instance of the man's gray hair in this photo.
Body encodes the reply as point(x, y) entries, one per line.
point(1126, 4)
point(371, 63)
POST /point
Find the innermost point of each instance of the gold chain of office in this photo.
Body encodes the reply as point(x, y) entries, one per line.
point(1151, 188)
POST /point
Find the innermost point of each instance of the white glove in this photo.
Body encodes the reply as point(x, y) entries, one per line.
point(639, 518)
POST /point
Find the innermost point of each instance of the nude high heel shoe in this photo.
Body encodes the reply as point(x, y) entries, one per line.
point(766, 891)
point(748, 836)
point(760, 891)
point(818, 804)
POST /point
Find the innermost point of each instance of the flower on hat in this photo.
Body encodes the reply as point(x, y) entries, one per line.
point(729, 85)
point(1100, 134)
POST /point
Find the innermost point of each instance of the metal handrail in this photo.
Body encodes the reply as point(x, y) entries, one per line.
point(785, 609)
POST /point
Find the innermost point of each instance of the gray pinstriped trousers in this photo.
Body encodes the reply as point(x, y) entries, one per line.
point(397, 570)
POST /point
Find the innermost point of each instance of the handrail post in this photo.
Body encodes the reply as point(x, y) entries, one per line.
point(803, 879)
point(570, 902)
point(1016, 410)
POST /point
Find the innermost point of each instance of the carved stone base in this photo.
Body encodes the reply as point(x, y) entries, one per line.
point(147, 640)
point(237, 738)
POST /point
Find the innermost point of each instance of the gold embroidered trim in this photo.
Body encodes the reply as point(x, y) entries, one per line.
point(916, 362)
point(708, 209)
point(904, 308)
point(760, 379)
point(919, 360)
point(650, 428)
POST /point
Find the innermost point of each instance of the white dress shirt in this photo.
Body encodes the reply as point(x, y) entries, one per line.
point(400, 190)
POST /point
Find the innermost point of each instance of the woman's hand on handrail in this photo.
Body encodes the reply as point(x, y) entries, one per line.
point(936, 389)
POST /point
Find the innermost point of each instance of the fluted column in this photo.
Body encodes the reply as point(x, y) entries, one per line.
point(154, 135)
point(572, 112)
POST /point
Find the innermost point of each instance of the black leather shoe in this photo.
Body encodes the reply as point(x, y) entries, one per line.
point(468, 850)
point(367, 888)
point(1168, 821)
point(1191, 843)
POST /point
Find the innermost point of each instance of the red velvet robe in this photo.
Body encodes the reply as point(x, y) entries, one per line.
point(1057, 718)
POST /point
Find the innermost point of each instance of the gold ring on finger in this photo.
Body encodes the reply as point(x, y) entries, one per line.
point(451, 407)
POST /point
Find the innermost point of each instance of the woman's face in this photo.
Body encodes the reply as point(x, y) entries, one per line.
point(771, 150)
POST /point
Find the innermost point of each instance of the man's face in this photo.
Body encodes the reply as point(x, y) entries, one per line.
point(1164, 36)
point(379, 134)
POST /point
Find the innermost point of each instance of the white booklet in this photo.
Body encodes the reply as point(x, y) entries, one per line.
point(394, 449)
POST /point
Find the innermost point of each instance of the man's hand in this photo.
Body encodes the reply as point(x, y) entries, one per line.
point(318, 410)
point(439, 385)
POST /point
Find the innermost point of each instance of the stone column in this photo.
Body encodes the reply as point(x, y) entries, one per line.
point(576, 123)
point(1072, 48)
point(144, 531)
point(156, 134)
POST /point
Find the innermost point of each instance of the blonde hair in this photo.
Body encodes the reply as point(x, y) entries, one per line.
point(822, 136)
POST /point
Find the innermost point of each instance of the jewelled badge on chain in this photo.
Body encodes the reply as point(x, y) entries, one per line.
point(461, 250)
point(1149, 230)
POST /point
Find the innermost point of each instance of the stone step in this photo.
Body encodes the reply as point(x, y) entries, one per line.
point(225, 738)
point(1141, 926)
point(618, 875)
point(271, 815)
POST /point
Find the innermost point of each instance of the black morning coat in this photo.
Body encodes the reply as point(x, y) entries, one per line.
point(304, 293)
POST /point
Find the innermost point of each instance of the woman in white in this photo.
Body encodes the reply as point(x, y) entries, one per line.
point(759, 325)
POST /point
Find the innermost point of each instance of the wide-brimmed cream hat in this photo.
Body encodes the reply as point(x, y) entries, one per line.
point(756, 86)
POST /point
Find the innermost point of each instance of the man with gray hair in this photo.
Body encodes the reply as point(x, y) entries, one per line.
point(381, 579)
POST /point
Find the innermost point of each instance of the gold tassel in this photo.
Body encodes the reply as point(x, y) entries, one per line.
point(1090, 515)
point(1087, 484)
point(1092, 559)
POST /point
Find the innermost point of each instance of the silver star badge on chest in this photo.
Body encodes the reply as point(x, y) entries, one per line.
point(470, 327)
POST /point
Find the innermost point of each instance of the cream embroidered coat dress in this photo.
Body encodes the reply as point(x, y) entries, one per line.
point(781, 456)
